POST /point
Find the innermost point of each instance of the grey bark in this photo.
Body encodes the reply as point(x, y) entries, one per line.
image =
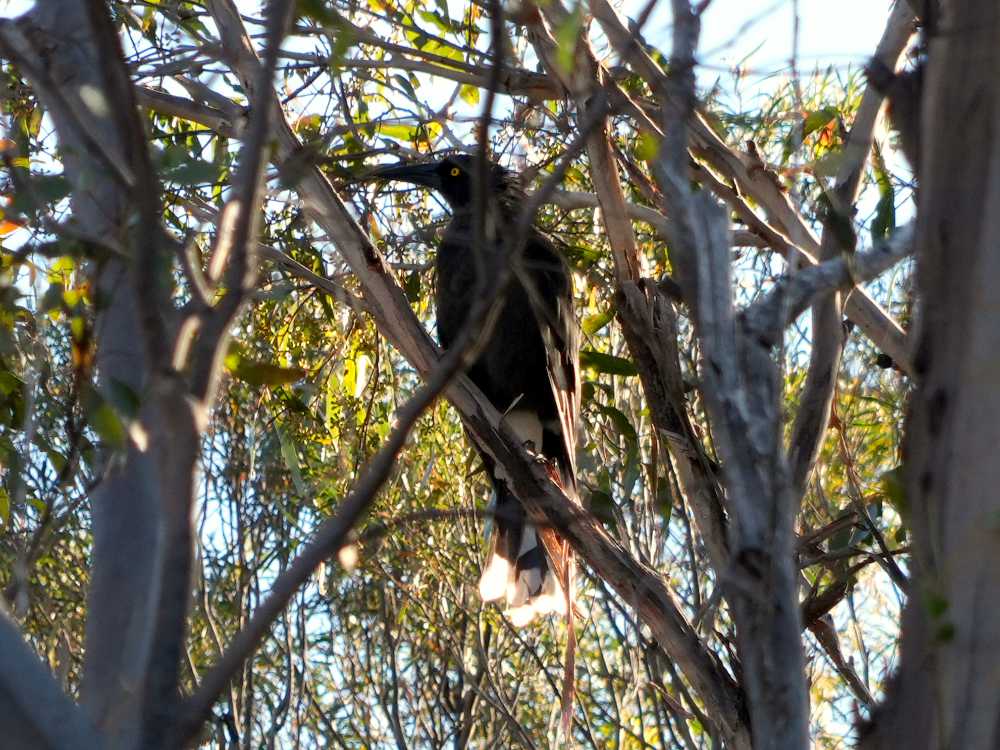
point(54, 46)
point(947, 691)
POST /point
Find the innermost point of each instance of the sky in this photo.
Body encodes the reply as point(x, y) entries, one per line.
point(759, 34)
point(828, 34)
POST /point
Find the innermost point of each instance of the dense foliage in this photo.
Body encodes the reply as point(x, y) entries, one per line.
point(395, 648)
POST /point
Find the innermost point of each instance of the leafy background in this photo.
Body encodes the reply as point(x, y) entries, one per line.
point(396, 650)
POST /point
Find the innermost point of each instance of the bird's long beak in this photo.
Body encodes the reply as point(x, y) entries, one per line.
point(418, 174)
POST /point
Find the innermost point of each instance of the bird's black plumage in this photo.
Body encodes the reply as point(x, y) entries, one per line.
point(527, 367)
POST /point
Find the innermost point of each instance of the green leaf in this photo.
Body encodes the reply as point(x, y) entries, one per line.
point(647, 146)
point(42, 189)
point(817, 119)
point(107, 425)
point(314, 10)
point(894, 489)
point(829, 164)
point(567, 37)
point(343, 40)
point(410, 133)
point(10, 383)
point(406, 84)
point(884, 223)
point(52, 299)
point(622, 424)
point(935, 603)
point(261, 373)
point(664, 500)
point(602, 506)
point(123, 397)
point(192, 172)
point(606, 363)
point(593, 323)
point(291, 456)
point(469, 94)
point(412, 287)
point(4, 507)
point(431, 17)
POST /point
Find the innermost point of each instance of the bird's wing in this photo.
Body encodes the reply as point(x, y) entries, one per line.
point(550, 288)
point(543, 272)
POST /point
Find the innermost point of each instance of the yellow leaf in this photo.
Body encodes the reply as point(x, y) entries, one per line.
point(373, 228)
point(7, 226)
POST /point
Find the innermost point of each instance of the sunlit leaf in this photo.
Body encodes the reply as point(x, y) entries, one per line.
point(262, 373)
point(606, 363)
point(192, 172)
point(469, 94)
point(7, 227)
point(567, 37)
point(884, 222)
point(594, 323)
point(291, 457)
point(106, 424)
point(817, 119)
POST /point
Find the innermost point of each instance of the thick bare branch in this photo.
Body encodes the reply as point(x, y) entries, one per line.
point(793, 293)
point(947, 691)
point(742, 391)
point(37, 714)
point(63, 63)
point(228, 123)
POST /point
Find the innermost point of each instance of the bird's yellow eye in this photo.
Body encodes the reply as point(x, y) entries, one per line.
point(455, 171)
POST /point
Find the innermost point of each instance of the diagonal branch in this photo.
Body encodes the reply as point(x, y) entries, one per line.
point(390, 308)
point(793, 293)
point(789, 232)
point(37, 714)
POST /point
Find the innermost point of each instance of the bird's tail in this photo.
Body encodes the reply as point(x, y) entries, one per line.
point(519, 569)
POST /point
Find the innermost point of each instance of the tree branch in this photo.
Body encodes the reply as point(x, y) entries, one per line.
point(37, 714)
point(790, 236)
point(396, 321)
point(742, 392)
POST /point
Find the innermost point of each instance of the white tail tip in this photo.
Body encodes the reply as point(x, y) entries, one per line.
point(521, 616)
point(493, 583)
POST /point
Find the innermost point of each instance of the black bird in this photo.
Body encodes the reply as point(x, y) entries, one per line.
point(528, 367)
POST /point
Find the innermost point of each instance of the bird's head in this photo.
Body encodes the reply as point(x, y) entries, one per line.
point(453, 177)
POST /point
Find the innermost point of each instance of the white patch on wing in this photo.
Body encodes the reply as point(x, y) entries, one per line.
point(493, 582)
point(550, 601)
point(551, 598)
point(528, 428)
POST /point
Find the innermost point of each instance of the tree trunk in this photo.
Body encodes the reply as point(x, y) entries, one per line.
point(947, 692)
point(125, 507)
